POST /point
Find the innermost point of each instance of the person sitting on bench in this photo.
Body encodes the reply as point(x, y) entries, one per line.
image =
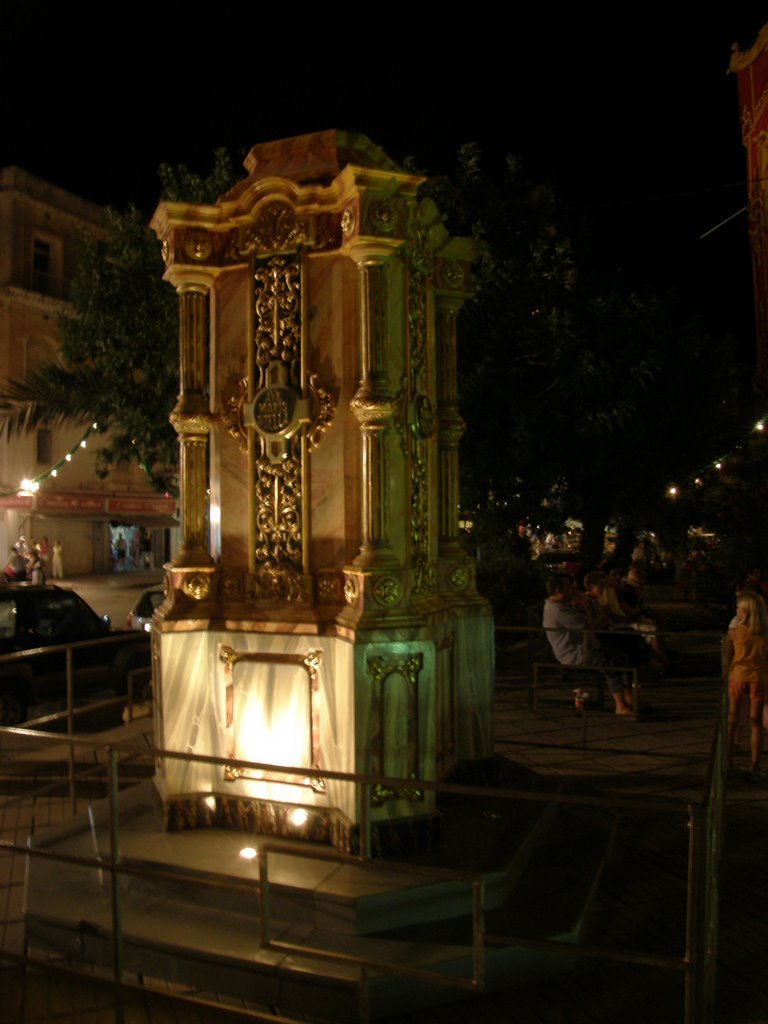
point(568, 633)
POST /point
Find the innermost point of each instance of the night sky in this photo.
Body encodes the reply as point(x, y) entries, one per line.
point(634, 120)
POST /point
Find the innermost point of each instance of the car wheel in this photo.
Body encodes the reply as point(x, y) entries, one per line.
point(13, 708)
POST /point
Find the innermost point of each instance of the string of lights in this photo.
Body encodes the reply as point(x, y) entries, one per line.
point(30, 485)
point(675, 490)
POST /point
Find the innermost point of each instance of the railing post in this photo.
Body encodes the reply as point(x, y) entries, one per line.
point(265, 932)
point(478, 932)
point(365, 822)
point(114, 881)
point(364, 997)
point(696, 934)
point(71, 729)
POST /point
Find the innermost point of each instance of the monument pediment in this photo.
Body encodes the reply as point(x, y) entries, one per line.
point(316, 157)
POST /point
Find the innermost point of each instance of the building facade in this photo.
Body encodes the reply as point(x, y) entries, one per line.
point(48, 484)
point(751, 68)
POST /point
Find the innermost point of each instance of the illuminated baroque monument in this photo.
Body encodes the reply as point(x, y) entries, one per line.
point(320, 612)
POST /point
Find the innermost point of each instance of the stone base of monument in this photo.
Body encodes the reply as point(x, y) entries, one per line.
point(190, 908)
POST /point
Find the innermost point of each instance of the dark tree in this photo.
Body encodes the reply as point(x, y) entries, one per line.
point(582, 398)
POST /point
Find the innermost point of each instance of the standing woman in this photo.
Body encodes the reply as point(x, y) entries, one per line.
point(57, 563)
point(35, 572)
point(747, 652)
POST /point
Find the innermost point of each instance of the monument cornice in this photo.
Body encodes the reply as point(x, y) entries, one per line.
point(741, 59)
point(367, 250)
point(354, 180)
point(191, 277)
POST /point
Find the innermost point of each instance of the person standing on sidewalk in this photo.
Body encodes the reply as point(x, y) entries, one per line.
point(57, 561)
point(747, 658)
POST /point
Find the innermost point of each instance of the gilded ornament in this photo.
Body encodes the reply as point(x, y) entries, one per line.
point(165, 250)
point(198, 587)
point(278, 584)
point(276, 229)
point(328, 589)
point(383, 216)
point(189, 419)
point(197, 245)
point(387, 590)
point(232, 586)
point(453, 272)
point(458, 577)
point(277, 312)
point(273, 409)
point(348, 221)
point(351, 589)
point(233, 415)
point(372, 409)
point(423, 424)
point(324, 410)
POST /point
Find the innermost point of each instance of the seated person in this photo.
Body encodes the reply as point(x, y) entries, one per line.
point(569, 636)
point(613, 593)
point(597, 611)
point(632, 648)
point(641, 618)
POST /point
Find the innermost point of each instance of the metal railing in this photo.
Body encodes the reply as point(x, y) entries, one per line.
point(696, 961)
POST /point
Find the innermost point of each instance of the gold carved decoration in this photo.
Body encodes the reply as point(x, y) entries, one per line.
point(348, 221)
point(329, 588)
point(382, 671)
point(387, 591)
point(310, 662)
point(275, 229)
point(458, 577)
point(420, 264)
point(197, 244)
point(198, 587)
point(453, 273)
point(383, 216)
point(288, 412)
point(277, 496)
point(233, 413)
point(351, 590)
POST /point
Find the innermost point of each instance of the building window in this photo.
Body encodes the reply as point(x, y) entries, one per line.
point(45, 447)
point(41, 267)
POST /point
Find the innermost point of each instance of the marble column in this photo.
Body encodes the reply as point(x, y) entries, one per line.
point(191, 416)
point(373, 404)
point(450, 426)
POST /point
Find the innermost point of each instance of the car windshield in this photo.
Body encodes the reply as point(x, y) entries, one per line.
point(47, 615)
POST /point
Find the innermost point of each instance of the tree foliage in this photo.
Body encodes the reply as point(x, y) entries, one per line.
point(582, 398)
point(728, 502)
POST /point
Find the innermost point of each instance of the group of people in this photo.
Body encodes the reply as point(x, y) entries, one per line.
point(605, 626)
point(132, 549)
point(30, 561)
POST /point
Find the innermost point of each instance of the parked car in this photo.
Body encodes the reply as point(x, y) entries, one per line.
point(34, 616)
point(140, 616)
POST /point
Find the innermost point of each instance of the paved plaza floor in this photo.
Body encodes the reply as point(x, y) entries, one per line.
point(662, 757)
